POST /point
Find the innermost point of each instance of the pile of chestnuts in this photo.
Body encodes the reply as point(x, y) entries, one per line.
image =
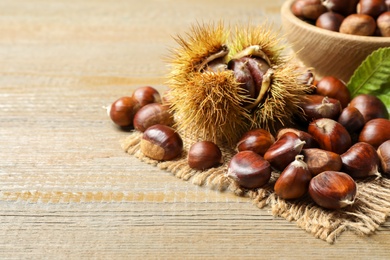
point(357, 17)
point(340, 140)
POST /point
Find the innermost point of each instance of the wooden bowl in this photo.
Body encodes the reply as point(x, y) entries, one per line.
point(328, 53)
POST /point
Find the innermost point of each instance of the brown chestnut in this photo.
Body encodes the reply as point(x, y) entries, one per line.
point(375, 132)
point(360, 161)
point(161, 142)
point(122, 111)
point(333, 190)
point(152, 114)
point(370, 106)
point(317, 106)
point(330, 21)
point(146, 95)
point(310, 142)
point(351, 119)
point(371, 7)
point(358, 24)
point(283, 151)
point(383, 23)
point(249, 170)
point(319, 160)
point(334, 88)
point(384, 157)
point(308, 9)
point(293, 182)
point(344, 7)
point(204, 155)
point(330, 135)
point(257, 140)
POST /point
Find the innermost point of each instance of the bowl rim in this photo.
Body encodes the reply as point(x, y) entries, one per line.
point(286, 12)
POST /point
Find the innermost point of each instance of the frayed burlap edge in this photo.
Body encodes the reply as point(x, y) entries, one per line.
point(370, 210)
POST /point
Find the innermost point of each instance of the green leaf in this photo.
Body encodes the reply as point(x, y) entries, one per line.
point(373, 76)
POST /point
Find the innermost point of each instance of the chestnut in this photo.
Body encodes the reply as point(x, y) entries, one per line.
point(319, 160)
point(283, 151)
point(360, 161)
point(344, 7)
point(310, 142)
point(375, 132)
point(257, 140)
point(333, 190)
point(384, 157)
point(358, 24)
point(370, 106)
point(249, 170)
point(351, 119)
point(122, 111)
point(146, 95)
point(330, 21)
point(371, 7)
point(334, 88)
point(293, 182)
point(308, 9)
point(204, 155)
point(161, 142)
point(152, 114)
point(330, 135)
point(383, 24)
point(317, 106)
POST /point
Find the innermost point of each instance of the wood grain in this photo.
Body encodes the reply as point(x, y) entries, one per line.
point(61, 63)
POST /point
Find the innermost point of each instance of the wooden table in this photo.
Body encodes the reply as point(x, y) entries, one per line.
point(62, 170)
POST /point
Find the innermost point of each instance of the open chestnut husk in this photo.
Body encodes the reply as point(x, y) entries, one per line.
point(360, 161)
point(249, 170)
point(333, 190)
point(293, 182)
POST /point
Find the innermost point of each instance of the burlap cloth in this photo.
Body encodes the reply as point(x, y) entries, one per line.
point(370, 210)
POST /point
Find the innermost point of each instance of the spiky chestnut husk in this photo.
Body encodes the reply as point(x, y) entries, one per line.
point(207, 102)
point(280, 104)
point(210, 104)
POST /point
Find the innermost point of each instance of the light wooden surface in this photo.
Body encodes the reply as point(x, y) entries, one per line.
point(61, 165)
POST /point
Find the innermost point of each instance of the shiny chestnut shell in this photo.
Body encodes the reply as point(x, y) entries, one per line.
point(249, 170)
point(257, 140)
point(283, 151)
point(309, 140)
point(293, 182)
point(152, 114)
point(375, 132)
point(333, 87)
point(161, 142)
point(146, 95)
point(319, 160)
point(122, 111)
point(330, 135)
point(360, 160)
point(384, 156)
point(333, 190)
point(317, 106)
point(204, 155)
point(370, 106)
